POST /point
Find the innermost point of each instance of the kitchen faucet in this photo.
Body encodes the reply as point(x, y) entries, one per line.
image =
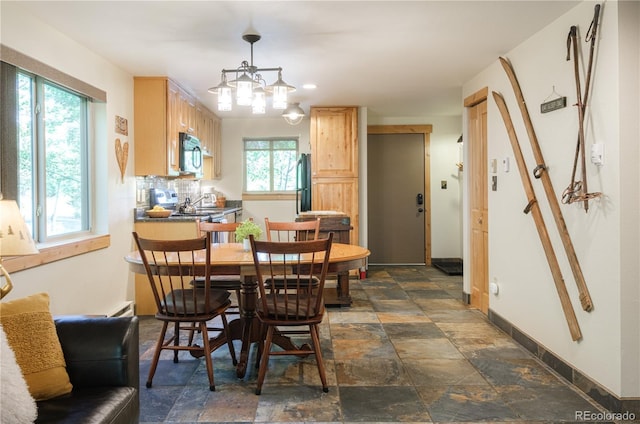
point(189, 206)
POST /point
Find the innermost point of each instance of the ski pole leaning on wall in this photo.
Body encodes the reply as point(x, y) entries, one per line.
point(577, 190)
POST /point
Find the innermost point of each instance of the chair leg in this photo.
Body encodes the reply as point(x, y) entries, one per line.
point(264, 361)
point(207, 355)
point(156, 354)
point(192, 332)
point(262, 337)
point(227, 335)
point(315, 337)
point(176, 341)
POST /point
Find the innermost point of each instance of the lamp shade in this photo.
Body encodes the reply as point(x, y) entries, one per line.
point(15, 239)
point(293, 114)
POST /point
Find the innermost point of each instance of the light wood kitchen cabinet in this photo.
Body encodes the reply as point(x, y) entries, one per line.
point(334, 162)
point(334, 142)
point(208, 130)
point(162, 110)
point(216, 148)
point(187, 112)
point(156, 126)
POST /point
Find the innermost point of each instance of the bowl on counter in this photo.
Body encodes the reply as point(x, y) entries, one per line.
point(159, 213)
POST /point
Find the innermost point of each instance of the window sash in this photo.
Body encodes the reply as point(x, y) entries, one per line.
point(263, 172)
point(54, 174)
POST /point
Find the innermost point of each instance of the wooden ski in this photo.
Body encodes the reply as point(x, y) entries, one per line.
point(540, 172)
point(534, 208)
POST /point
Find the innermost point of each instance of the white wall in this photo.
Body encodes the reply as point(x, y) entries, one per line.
point(527, 297)
point(96, 282)
point(629, 70)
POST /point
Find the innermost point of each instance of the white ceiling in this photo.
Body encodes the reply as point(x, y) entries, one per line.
point(397, 58)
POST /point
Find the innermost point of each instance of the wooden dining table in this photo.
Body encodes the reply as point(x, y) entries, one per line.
point(232, 259)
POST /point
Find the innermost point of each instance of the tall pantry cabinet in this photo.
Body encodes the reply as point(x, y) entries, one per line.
point(334, 162)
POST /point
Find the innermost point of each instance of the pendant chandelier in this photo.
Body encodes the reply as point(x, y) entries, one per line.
point(249, 87)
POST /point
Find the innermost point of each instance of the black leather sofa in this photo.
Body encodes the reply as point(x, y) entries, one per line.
point(103, 365)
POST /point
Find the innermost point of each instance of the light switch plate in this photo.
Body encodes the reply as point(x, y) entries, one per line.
point(597, 154)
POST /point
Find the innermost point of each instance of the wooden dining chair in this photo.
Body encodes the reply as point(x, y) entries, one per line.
point(287, 309)
point(171, 266)
point(223, 232)
point(292, 230)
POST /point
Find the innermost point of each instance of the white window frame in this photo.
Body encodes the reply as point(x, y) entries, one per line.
point(38, 216)
point(271, 140)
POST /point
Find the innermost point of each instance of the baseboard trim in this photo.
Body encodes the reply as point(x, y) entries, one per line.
point(589, 387)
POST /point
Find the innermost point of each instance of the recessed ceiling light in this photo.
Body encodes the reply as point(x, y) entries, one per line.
point(309, 86)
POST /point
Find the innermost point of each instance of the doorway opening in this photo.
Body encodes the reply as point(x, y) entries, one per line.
point(399, 201)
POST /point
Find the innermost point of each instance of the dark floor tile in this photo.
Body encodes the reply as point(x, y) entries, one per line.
point(382, 404)
point(157, 402)
point(302, 403)
point(413, 330)
point(466, 404)
point(371, 372)
point(439, 372)
point(526, 373)
point(357, 331)
point(169, 373)
point(557, 402)
point(394, 305)
point(429, 294)
point(386, 294)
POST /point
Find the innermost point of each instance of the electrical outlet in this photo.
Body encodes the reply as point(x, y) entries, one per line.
point(443, 184)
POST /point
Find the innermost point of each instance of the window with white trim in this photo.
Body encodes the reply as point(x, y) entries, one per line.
point(270, 164)
point(52, 150)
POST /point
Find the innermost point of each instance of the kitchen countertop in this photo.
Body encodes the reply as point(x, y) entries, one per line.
point(141, 216)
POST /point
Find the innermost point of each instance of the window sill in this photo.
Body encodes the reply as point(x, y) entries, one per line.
point(56, 252)
point(268, 196)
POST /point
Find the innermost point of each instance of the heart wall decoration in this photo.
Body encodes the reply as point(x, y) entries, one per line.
point(122, 155)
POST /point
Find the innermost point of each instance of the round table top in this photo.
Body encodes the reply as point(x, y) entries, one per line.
point(234, 254)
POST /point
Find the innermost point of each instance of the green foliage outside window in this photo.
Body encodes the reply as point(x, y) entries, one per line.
point(52, 157)
point(270, 164)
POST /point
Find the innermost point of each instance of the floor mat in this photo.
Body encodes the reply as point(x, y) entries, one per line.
point(448, 266)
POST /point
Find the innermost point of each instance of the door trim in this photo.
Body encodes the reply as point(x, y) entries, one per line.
point(425, 130)
point(479, 298)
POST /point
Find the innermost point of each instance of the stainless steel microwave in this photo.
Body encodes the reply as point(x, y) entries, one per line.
point(190, 155)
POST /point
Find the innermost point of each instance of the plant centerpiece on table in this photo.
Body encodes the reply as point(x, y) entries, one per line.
point(244, 230)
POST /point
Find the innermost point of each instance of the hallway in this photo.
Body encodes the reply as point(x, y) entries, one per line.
point(408, 350)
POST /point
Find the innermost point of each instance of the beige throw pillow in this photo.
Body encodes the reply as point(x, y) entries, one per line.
point(31, 333)
point(18, 407)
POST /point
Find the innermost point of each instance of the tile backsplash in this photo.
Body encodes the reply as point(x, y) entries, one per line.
point(183, 187)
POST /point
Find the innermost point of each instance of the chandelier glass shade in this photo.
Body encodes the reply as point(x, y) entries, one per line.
point(249, 87)
point(293, 114)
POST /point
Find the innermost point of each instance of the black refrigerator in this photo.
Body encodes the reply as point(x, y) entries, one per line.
point(303, 183)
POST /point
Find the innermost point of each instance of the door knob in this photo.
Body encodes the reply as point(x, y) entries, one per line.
point(420, 210)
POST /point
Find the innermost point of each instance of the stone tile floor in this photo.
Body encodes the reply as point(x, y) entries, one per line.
point(407, 350)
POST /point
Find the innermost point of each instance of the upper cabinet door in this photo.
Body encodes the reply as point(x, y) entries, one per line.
point(334, 142)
